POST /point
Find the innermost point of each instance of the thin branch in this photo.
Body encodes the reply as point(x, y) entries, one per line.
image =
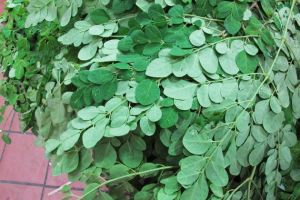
point(124, 177)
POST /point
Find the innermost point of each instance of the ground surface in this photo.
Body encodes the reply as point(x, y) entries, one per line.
point(25, 174)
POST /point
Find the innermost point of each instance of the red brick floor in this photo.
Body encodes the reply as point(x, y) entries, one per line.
point(25, 173)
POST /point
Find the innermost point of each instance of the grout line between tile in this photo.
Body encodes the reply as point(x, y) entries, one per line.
point(45, 181)
point(35, 184)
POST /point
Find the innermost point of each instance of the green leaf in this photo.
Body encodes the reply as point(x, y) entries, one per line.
point(149, 166)
point(215, 170)
point(6, 139)
point(147, 92)
point(275, 105)
point(176, 13)
point(177, 51)
point(125, 44)
point(69, 162)
point(96, 30)
point(244, 151)
point(181, 89)
point(118, 170)
point(139, 37)
point(69, 138)
point(242, 121)
point(185, 104)
point(199, 190)
point(119, 116)
point(190, 170)
point(169, 118)
point(147, 126)
point(100, 76)
point(214, 92)
point(171, 184)
point(79, 124)
point(257, 154)
point(202, 96)
point(268, 6)
point(196, 142)
point(197, 38)
point(217, 191)
point(19, 71)
point(261, 108)
point(247, 64)
point(94, 134)
point(99, 16)
point(251, 49)
point(221, 47)
point(209, 65)
point(203, 7)
point(154, 114)
point(77, 99)
point(273, 122)
point(90, 192)
point(51, 144)
point(232, 25)
point(153, 33)
point(105, 155)
point(159, 68)
point(88, 113)
point(151, 49)
point(65, 19)
point(258, 133)
point(228, 64)
point(88, 52)
point(118, 131)
point(285, 157)
point(130, 156)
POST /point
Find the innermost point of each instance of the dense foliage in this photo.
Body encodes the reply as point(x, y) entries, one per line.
point(164, 99)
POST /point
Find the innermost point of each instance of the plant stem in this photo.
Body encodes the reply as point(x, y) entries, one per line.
point(124, 177)
point(250, 182)
point(204, 18)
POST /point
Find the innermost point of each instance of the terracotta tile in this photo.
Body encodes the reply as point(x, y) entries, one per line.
point(20, 192)
point(58, 195)
point(1, 146)
point(22, 161)
point(60, 180)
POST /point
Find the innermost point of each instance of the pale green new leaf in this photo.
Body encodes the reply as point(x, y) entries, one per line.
point(159, 68)
point(273, 122)
point(181, 89)
point(199, 190)
point(154, 114)
point(202, 96)
point(195, 141)
point(197, 38)
point(285, 157)
point(257, 154)
point(215, 170)
point(88, 113)
point(190, 170)
point(208, 60)
point(147, 126)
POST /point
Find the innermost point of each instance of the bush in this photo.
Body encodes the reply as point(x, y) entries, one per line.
point(173, 99)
